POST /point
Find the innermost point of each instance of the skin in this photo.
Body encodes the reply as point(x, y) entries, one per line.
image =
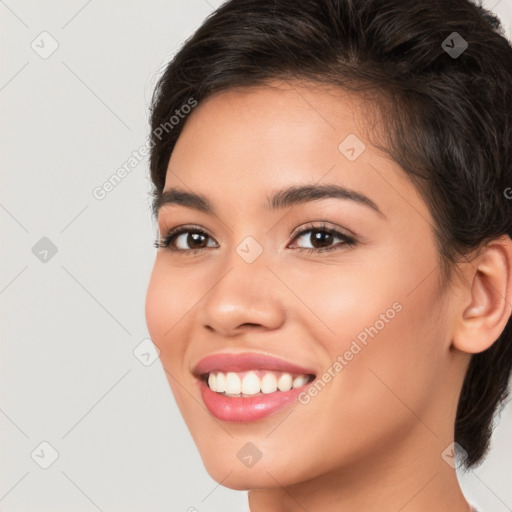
point(372, 439)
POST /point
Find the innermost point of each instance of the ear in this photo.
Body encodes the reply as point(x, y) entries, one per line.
point(486, 304)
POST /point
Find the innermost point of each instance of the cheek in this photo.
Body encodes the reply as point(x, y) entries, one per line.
point(164, 307)
point(390, 332)
point(165, 304)
point(155, 305)
point(393, 356)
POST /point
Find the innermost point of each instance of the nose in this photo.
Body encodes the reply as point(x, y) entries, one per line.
point(246, 296)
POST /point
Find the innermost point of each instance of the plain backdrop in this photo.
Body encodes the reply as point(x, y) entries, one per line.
point(87, 423)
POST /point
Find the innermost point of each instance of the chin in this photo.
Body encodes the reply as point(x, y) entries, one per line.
point(244, 479)
point(232, 473)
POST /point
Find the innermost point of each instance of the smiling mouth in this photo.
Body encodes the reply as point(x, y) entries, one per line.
point(254, 382)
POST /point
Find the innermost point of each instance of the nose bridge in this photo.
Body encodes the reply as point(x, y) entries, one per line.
point(244, 291)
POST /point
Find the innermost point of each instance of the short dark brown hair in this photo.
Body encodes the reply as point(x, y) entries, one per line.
point(448, 121)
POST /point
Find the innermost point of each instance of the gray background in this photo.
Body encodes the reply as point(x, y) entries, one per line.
point(71, 323)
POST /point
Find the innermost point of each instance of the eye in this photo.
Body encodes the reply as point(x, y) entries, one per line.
point(323, 237)
point(184, 239)
point(192, 239)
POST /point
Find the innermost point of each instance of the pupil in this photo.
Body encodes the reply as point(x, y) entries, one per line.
point(194, 237)
point(318, 238)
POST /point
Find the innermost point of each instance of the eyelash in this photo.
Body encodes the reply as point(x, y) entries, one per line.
point(166, 241)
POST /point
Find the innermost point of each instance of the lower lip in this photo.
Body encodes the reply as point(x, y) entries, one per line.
point(251, 408)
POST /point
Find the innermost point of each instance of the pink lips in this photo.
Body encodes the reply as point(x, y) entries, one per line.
point(245, 409)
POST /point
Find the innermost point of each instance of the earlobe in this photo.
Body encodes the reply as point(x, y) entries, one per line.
point(487, 305)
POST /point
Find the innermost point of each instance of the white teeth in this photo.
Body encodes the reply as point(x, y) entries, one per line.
point(298, 381)
point(212, 381)
point(284, 382)
point(253, 382)
point(250, 384)
point(269, 383)
point(220, 383)
point(233, 384)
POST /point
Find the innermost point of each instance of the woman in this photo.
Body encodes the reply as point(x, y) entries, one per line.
point(332, 291)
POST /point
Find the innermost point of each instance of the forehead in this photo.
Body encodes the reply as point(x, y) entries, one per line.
point(279, 107)
point(238, 145)
point(270, 127)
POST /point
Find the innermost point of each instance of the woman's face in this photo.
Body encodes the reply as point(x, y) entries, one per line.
point(366, 318)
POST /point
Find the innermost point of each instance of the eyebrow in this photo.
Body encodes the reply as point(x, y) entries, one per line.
point(280, 199)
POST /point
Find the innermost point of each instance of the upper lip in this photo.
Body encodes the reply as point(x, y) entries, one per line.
point(239, 362)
